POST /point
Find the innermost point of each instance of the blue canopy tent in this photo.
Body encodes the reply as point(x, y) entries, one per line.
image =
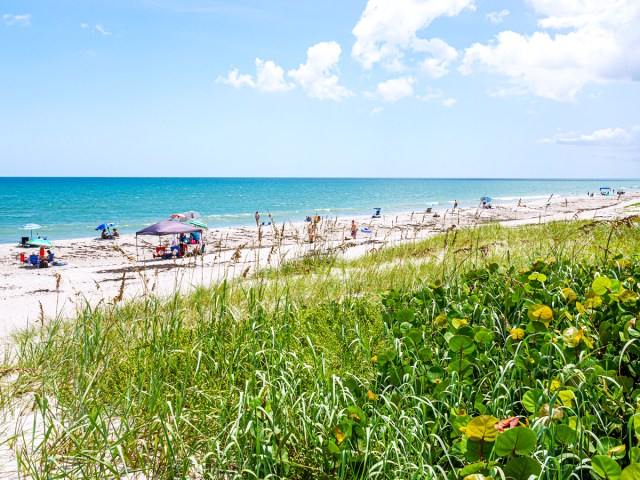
point(605, 190)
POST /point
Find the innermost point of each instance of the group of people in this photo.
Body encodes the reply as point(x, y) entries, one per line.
point(106, 236)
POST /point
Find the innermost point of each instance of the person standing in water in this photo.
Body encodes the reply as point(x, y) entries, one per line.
point(257, 219)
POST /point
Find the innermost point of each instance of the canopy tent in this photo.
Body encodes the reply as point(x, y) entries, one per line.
point(167, 227)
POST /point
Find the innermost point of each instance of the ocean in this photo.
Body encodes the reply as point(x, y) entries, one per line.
point(73, 207)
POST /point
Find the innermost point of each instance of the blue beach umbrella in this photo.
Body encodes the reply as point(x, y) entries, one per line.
point(106, 226)
point(487, 199)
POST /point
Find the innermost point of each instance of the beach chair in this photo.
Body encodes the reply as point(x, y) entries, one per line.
point(376, 212)
point(160, 251)
point(23, 241)
point(34, 260)
point(175, 250)
point(429, 210)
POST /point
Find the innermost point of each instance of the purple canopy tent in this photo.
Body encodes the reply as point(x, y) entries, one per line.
point(167, 227)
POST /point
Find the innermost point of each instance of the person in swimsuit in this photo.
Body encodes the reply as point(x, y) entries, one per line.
point(257, 219)
point(354, 229)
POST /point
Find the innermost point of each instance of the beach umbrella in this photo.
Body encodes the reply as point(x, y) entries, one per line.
point(40, 242)
point(178, 216)
point(487, 199)
point(106, 225)
point(197, 223)
point(190, 214)
point(31, 227)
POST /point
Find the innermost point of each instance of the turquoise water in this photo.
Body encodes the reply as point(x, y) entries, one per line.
point(73, 207)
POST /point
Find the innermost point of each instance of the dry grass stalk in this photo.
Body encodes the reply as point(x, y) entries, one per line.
point(120, 294)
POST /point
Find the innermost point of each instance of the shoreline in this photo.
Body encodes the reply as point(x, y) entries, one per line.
point(98, 271)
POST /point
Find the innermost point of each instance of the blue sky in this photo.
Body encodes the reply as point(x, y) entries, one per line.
point(389, 88)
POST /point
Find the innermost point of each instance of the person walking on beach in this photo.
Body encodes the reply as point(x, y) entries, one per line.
point(455, 204)
point(257, 219)
point(354, 229)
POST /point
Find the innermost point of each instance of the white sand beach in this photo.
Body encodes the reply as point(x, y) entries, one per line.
point(108, 271)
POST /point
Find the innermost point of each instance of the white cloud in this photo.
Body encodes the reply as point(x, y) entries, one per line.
point(316, 77)
point(442, 54)
point(601, 46)
point(375, 111)
point(269, 78)
point(396, 89)
point(103, 30)
point(497, 17)
point(449, 102)
point(615, 137)
point(387, 29)
point(23, 20)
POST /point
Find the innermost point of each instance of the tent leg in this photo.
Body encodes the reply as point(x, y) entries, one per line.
point(136, 247)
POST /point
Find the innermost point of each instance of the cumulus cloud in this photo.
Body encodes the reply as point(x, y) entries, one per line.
point(316, 76)
point(598, 44)
point(23, 20)
point(497, 17)
point(615, 137)
point(449, 102)
point(441, 54)
point(387, 29)
point(269, 78)
point(396, 89)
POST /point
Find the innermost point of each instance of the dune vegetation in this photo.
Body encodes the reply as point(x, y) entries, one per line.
point(489, 352)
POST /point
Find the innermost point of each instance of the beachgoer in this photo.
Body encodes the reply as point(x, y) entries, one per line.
point(354, 229)
point(484, 203)
point(455, 204)
point(104, 234)
point(257, 219)
point(41, 252)
point(116, 234)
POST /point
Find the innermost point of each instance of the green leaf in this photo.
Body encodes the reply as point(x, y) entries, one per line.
point(522, 468)
point(518, 440)
point(537, 277)
point(461, 344)
point(601, 285)
point(632, 472)
point(477, 467)
point(478, 450)
point(606, 467)
point(533, 399)
point(333, 448)
point(565, 434)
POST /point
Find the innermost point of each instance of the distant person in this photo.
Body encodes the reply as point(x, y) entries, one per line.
point(455, 204)
point(354, 229)
point(484, 203)
point(257, 219)
point(104, 234)
point(116, 234)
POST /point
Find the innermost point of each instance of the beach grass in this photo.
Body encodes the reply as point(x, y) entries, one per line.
point(383, 366)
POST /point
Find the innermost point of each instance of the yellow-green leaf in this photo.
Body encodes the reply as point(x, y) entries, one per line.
point(482, 428)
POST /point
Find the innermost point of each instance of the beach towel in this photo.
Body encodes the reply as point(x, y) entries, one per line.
point(365, 230)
